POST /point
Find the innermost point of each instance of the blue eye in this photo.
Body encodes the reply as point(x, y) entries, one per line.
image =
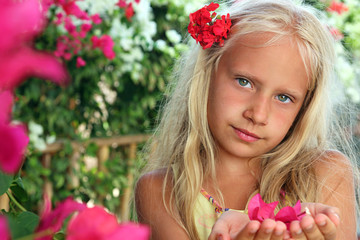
point(283, 98)
point(244, 82)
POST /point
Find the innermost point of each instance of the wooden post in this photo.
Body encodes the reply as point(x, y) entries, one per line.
point(130, 180)
point(74, 166)
point(102, 156)
point(4, 202)
point(48, 187)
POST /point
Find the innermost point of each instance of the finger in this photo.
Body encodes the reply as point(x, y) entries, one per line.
point(333, 214)
point(326, 226)
point(249, 232)
point(310, 229)
point(279, 231)
point(296, 231)
point(266, 230)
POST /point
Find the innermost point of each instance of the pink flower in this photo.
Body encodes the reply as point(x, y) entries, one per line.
point(121, 4)
point(71, 8)
point(259, 210)
point(52, 221)
point(289, 214)
point(106, 44)
point(80, 62)
point(4, 229)
point(96, 18)
point(96, 224)
point(337, 7)
point(17, 59)
point(85, 28)
point(336, 33)
point(13, 138)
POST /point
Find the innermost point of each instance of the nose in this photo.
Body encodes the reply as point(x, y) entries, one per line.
point(257, 110)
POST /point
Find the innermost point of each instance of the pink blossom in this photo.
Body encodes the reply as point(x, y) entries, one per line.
point(85, 28)
point(137, 1)
point(70, 27)
point(53, 220)
point(106, 44)
point(59, 18)
point(4, 229)
point(259, 210)
point(96, 18)
point(289, 214)
point(337, 7)
point(80, 62)
point(17, 59)
point(121, 4)
point(13, 138)
point(96, 224)
point(336, 33)
point(71, 8)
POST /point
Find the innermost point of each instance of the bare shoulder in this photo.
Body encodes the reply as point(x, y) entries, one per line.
point(336, 175)
point(150, 200)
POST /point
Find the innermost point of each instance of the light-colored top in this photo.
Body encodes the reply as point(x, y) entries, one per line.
point(207, 211)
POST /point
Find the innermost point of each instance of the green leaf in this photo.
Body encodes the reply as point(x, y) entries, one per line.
point(5, 181)
point(18, 190)
point(22, 225)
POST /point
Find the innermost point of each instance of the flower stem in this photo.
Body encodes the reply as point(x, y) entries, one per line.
point(44, 233)
point(13, 199)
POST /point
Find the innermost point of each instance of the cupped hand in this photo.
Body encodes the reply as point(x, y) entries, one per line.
point(321, 223)
point(234, 225)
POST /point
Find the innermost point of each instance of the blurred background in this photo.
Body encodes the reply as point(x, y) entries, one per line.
point(85, 138)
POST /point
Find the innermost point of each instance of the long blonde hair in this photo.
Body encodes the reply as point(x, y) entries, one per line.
point(183, 140)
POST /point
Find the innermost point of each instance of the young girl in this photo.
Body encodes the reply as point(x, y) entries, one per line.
point(249, 114)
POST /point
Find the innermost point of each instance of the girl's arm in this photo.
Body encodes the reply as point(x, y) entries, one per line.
point(151, 210)
point(336, 171)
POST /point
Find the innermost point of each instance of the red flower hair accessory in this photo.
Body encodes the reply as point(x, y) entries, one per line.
point(207, 28)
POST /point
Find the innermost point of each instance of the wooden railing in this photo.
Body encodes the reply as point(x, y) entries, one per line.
point(104, 145)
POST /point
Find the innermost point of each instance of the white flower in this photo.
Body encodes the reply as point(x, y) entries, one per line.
point(173, 36)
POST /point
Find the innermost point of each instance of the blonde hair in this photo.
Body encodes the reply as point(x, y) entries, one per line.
point(183, 143)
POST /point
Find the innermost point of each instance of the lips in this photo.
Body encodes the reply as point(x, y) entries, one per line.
point(246, 135)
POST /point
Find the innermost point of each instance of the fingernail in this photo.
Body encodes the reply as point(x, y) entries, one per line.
point(219, 237)
point(268, 230)
point(253, 230)
point(298, 232)
point(308, 228)
point(279, 232)
point(322, 223)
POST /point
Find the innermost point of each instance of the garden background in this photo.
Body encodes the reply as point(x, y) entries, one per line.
point(85, 137)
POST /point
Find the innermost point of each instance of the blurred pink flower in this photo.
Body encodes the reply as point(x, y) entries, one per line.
point(259, 210)
point(96, 224)
point(18, 60)
point(96, 18)
point(80, 62)
point(13, 138)
point(4, 229)
point(338, 7)
point(53, 220)
point(71, 8)
point(106, 44)
point(129, 11)
point(336, 33)
point(85, 28)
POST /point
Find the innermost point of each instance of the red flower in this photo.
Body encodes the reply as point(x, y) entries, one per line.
point(4, 229)
point(289, 214)
point(13, 138)
point(80, 62)
point(96, 224)
point(336, 33)
point(207, 31)
point(85, 28)
point(259, 210)
point(96, 18)
point(338, 7)
point(17, 59)
point(106, 44)
point(129, 11)
point(52, 221)
point(71, 8)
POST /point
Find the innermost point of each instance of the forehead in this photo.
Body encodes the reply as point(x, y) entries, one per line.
point(266, 57)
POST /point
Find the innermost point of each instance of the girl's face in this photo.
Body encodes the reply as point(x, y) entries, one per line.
point(255, 96)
